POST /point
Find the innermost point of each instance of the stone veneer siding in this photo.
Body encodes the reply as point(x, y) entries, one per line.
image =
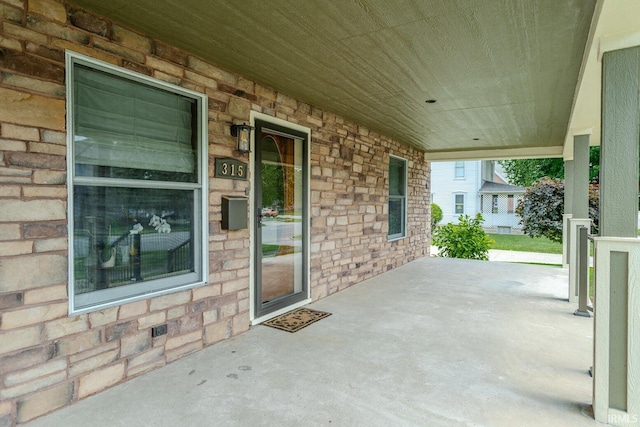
point(48, 359)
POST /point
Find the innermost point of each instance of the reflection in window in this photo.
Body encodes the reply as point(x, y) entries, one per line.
point(281, 230)
point(137, 188)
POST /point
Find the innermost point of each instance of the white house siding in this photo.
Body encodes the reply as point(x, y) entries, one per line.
point(445, 186)
point(478, 193)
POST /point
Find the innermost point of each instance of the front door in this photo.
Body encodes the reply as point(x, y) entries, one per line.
point(281, 257)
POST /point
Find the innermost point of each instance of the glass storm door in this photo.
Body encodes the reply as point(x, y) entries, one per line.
point(280, 198)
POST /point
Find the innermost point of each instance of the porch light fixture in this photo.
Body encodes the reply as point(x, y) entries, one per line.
point(243, 134)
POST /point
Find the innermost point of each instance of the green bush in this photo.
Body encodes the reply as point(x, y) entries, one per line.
point(541, 209)
point(436, 215)
point(542, 206)
point(465, 240)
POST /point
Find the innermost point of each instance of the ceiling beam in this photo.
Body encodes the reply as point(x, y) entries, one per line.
point(495, 154)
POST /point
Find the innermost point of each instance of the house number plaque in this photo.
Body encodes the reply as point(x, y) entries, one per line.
point(230, 168)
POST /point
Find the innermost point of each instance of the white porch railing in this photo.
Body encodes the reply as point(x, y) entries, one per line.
point(616, 373)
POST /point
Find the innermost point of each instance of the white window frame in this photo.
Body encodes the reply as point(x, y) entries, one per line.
point(88, 302)
point(403, 234)
point(459, 166)
point(455, 203)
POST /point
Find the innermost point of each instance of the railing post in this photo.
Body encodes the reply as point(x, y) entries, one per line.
point(171, 260)
point(574, 224)
point(566, 242)
point(583, 272)
point(136, 255)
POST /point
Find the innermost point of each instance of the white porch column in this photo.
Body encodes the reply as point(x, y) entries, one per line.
point(579, 207)
point(616, 394)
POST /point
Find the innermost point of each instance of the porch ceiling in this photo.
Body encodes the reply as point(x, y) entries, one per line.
point(503, 72)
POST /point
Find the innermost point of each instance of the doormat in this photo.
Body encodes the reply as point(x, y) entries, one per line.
point(296, 319)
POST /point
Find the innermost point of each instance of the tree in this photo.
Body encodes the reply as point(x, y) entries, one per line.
point(272, 185)
point(465, 240)
point(526, 172)
point(594, 164)
point(542, 206)
point(436, 215)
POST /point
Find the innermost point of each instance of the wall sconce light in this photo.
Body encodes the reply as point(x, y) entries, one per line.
point(243, 134)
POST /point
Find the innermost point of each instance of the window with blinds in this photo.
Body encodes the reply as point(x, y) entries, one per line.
point(137, 169)
point(125, 124)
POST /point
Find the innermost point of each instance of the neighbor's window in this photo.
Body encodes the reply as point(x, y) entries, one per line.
point(510, 203)
point(459, 170)
point(459, 204)
point(494, 204)
point(397, 198)
point(136, 154)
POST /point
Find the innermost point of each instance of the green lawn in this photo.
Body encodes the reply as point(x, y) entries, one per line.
point(523, 243)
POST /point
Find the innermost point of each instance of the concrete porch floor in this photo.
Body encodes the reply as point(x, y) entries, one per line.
point(437, 342)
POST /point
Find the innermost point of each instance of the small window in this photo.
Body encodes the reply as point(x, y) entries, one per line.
point(459, 170)
point(459, 204)
point(494, 204)
point(137, 153)
point(397, 198)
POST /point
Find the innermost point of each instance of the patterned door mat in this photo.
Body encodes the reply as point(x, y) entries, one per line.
point(297, 319)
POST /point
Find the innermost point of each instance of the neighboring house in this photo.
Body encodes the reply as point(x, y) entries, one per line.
point(470, 187)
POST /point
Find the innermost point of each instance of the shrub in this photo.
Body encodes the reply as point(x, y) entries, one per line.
point(436, 215)
point(465, 240)
point(541, 209)
point(542, 206)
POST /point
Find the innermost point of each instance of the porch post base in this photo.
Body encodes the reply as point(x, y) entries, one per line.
point(582, 313)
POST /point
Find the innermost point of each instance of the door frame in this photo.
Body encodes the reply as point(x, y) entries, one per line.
point(253, 215)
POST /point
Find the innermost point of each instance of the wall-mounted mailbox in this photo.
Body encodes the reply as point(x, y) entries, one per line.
point(234, 213)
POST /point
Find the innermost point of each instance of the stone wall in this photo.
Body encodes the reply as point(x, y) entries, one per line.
point(349, 191)
point(49, 359)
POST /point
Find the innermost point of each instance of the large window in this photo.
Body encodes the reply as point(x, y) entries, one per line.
point(137, 169)
point(397, 198)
